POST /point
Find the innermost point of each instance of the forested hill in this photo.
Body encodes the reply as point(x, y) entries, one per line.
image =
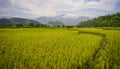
point(19, 22)
point(112, 20)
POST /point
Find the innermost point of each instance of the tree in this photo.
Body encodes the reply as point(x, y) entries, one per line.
point(18, 25)
point(31, 25)
point(37, 25)
point(112, 20)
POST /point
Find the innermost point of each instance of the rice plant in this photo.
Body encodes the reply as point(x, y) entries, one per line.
point(45, 48)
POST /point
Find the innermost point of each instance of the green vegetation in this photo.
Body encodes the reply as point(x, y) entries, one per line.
point(40, 48)
point(19, 23)
point(112, 20)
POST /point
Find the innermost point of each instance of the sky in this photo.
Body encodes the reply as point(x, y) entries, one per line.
point(51, 8)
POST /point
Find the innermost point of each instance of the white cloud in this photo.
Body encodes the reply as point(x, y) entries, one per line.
point(38, 8)
point(71, 15)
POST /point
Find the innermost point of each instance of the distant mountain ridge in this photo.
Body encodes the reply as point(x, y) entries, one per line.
point(66, 21)
point(17, 20)
point(5, 22)
point(23, 21)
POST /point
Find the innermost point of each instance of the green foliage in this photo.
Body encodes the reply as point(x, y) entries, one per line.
point(103, 21)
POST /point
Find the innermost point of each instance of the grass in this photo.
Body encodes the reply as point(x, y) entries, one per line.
point(40, 48)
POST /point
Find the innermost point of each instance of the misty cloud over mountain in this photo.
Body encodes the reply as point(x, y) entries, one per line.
point(65, 20)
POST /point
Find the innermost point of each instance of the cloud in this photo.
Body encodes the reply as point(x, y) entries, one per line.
point(5, 3)
point(72, 8)
point(71, 15)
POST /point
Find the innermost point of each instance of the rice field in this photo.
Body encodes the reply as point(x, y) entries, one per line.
point(45, 48)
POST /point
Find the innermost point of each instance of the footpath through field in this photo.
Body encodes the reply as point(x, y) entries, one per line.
point(107, 56)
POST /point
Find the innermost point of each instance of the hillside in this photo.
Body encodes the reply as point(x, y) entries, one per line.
point(19, 22)
point(112, 20)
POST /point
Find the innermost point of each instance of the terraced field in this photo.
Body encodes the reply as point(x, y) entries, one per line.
point(40, 48)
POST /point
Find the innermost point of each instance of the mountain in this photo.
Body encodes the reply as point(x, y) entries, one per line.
point(5, 21)
point(21, 22)
point(66, 21)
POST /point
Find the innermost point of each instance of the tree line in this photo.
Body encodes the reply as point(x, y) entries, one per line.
point(112, 20)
